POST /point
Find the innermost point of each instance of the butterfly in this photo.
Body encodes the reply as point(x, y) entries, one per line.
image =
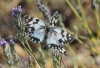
point(39, 31)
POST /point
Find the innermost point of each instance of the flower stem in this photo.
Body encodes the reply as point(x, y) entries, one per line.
point(85, 21)
point(76, 13)
point(49, 59)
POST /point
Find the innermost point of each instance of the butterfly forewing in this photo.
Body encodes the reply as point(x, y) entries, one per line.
point(58, 37)
point(35, 29)
point(54, 18)
point(33, 22)
point(65, 38)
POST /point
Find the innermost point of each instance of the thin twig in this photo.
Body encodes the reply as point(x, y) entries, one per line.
point(63, 62)
point(2, 66)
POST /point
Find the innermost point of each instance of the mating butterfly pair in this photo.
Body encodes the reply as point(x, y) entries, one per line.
point(55, 37)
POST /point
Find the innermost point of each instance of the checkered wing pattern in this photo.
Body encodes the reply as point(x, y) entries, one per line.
point(59, 37)
point(54, 18)
point(56, 38)
point(35, 28)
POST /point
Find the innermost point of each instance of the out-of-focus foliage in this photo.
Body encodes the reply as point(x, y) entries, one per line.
point(84, 53)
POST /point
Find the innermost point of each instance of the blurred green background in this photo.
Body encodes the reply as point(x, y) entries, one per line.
point(80, 53)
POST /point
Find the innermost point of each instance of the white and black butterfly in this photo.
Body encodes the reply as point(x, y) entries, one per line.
point(54, 37)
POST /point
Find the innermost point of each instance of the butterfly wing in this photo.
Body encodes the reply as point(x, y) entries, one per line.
point(35, 28)
point(63, 36)
point(56, 38)
point(57, 49)
point(53, 21)
point(59, 37)
point(63, 51)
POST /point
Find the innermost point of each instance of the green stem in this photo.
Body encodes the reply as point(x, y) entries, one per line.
point(76, 13)
point(97, 18)
point(49, 59)
point(85, 21)
point(42, 57)
point(33, 55)
point(28, 45)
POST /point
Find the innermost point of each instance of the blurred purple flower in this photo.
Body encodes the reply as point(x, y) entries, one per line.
point(24, 59)
point(2, 42)
point(16, 11)
point(48, 11)
point(13, 11)
point(19, 9)
point(12, 42)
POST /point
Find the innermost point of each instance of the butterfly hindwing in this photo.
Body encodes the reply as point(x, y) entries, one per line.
point(35, 29)
point(58, 49)
point(63, 51)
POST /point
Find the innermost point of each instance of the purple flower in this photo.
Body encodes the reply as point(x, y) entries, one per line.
point(24, 59)
point(13, 11)
point(2, 42)
point(12, 42)
point(19, 9)
point(48, 11)
point(16, 11)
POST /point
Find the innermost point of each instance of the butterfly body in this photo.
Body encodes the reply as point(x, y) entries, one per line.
point(55, 37)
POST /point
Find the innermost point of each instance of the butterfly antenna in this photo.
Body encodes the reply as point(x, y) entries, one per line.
point(17, 36)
